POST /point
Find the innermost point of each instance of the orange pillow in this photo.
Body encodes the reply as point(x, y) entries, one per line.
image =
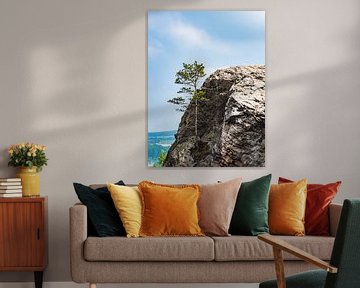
point(169, 210)
point(287, 204)
point(318, 200)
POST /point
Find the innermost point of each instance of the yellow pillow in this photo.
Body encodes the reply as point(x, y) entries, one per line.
point(169, 210)
point(127, 201)
point(287, 204)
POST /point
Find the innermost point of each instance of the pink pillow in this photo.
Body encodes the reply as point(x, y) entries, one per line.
point(216, 205)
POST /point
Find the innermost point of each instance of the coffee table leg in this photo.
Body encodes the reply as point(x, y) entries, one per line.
point(38, 279)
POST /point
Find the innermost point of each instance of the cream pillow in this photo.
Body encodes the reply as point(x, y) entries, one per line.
point(127, 201)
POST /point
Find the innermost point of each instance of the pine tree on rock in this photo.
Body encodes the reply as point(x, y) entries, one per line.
point(189, 77)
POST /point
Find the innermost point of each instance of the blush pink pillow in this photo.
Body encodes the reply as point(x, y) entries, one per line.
point(216, 206)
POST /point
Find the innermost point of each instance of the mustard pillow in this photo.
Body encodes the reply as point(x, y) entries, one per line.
point(287, 204)
point(127, 201)
point(169, 210)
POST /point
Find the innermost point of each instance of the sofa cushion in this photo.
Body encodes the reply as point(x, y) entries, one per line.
point(243, 248)
point(318, 199)
point(127, 201)
point(287, 204)
point(169, 210)
point(250, 216)
point(102, 216)
point(216, 206)
point(149, 249)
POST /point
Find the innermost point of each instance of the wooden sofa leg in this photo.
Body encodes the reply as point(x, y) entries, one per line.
point(92, 285)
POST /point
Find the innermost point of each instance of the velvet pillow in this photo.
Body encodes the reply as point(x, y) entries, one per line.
point(250, 215)
point(102, 214)
point(127, 201)
point(287, 204)
point(216, 206)
point(169, 210)
point(319, 197)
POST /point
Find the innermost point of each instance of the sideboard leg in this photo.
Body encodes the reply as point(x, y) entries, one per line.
point(92, 285)
point(38, 279)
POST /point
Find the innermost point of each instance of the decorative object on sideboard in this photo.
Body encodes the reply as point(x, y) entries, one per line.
point(30, 158)
point(10, 187)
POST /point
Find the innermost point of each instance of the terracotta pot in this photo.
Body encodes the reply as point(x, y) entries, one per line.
point(30, 181)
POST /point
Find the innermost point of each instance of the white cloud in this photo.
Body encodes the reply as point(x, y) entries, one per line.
point(193, 37)
point(176, 29)
point(188, 34)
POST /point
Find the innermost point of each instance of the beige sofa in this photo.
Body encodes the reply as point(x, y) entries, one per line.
point(234, 259)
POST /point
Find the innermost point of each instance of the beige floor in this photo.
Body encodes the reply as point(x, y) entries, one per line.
point(74, 285)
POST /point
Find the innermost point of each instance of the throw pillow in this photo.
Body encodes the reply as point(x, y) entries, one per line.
point(216, 206)
point(127, 201)
point(319, 197)
point(169, 210)
point(287, 208)
point(102, 215)
point(250, 215)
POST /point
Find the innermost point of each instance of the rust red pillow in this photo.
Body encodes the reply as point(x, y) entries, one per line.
point(319, 197)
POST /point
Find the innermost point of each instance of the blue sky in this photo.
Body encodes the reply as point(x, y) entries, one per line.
point(217, 39)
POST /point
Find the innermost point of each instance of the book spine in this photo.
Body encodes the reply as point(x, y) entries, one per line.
point(10, 183)
point(10, 191)
point(10, 180)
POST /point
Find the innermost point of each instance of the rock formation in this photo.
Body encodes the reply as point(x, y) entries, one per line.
point(231, 124)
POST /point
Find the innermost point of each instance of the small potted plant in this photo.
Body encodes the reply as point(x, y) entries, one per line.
point(30, 158)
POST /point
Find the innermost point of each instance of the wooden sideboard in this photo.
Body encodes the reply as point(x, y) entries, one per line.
point(23, 235)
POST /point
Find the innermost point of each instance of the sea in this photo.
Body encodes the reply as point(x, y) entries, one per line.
point(159, 142)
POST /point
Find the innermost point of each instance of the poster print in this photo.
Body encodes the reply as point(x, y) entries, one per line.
point(206, 88)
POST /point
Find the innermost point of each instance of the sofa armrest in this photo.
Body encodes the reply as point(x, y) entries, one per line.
point(78, 235)
point(334, 216)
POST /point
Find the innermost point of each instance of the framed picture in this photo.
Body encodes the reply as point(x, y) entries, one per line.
point(206, 88)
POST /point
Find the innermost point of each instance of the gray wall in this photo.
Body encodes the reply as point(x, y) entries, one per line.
point(73, 77)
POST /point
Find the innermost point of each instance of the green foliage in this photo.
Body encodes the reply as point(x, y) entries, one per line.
point(179, 101)
point(189, 77)
point(27, 155)
point(161, 159)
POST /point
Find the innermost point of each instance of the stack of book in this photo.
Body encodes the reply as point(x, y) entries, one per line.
point(10, 187)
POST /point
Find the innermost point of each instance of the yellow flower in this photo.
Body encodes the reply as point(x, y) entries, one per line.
point(11, 151)
point(41, 147)
point(28, 154)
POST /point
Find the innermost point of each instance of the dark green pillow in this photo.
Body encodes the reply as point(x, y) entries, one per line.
point(103, 218)
point(250, 216)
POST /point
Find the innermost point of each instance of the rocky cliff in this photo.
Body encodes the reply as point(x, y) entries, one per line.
point(231, 124)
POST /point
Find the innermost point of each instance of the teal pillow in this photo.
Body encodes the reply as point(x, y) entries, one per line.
point(250, 216)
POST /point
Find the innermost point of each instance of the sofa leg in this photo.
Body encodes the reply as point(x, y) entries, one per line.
point(92, 285)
